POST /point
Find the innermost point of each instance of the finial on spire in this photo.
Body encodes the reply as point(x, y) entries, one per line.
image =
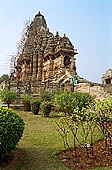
point(64, 35)
point(57, 33)
point(39, 14)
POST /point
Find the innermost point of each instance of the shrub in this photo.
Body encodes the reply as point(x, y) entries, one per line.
point(83, 99)
point(103, 110)
point(8, 96)
point(45, 96)
point(26, 98)
point(46, 108)
point(63, 102)
point(11, 129)
point(69, 101)
point(87, 121)
point(35, 106)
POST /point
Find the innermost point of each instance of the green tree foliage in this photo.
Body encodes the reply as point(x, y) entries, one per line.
point(46, 108)
point(8, 96)
point(83, 100)
point(65, 102)
point(81, 121)
point(11, 129)
point(103, 110)
point(45, 96)
point(4, 77)
point(86, 118)
point(69, 101)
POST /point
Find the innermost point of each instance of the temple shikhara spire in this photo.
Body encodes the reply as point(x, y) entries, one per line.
point(45, 57)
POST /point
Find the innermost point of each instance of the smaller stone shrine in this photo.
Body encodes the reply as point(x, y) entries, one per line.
point(107, 77)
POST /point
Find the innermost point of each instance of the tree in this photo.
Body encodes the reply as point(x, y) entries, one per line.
point(103, 110)
point(8, 96)
point(85, 119)
point(4, 77)
point(20, 46)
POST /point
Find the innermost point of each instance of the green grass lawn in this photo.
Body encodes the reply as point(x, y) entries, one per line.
point(40, 143)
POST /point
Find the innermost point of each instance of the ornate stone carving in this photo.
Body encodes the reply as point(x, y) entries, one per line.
point(43, 56)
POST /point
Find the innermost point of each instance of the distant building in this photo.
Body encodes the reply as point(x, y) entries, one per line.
point(107, 77)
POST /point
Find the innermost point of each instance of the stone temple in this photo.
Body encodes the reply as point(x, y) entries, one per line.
point(47, 61)
point(45, 57)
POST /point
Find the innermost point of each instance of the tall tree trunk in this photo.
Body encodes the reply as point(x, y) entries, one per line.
point(8, 104)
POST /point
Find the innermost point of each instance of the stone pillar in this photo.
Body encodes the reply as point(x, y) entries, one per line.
point(24, 70)
point(34, 65)
point(17, 75)
point(111, 81)
point(31, 65)
point(44, 75)
point(28, 70)
point(51, 67)
point(40, 65)
point(73, 66)
point(62, 65)
point(62, 61)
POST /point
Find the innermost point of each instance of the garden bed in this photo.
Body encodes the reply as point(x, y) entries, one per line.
point(83, 159)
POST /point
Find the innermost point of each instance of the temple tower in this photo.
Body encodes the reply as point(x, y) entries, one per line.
point(45, 57)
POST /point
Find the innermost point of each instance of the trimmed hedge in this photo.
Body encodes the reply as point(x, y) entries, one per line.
point(35, 106)
point(46, 108)
point(26, 98)
point(11, 130)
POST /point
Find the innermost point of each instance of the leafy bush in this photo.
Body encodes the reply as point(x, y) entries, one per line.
point(26, 98)
point(103, 109)
point(48, 95)
point(11, 129)
point(35, 106)
point(46, 108)
point(8, 96)
point(88, 120)
point(4, 77)
point(69, 101)
point(45, 96)
point(83, 99)
point(63, 102)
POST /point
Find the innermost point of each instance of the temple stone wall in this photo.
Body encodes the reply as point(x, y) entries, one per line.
point(99, 91)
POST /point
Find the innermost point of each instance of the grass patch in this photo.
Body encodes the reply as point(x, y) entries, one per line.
point(40, 144)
